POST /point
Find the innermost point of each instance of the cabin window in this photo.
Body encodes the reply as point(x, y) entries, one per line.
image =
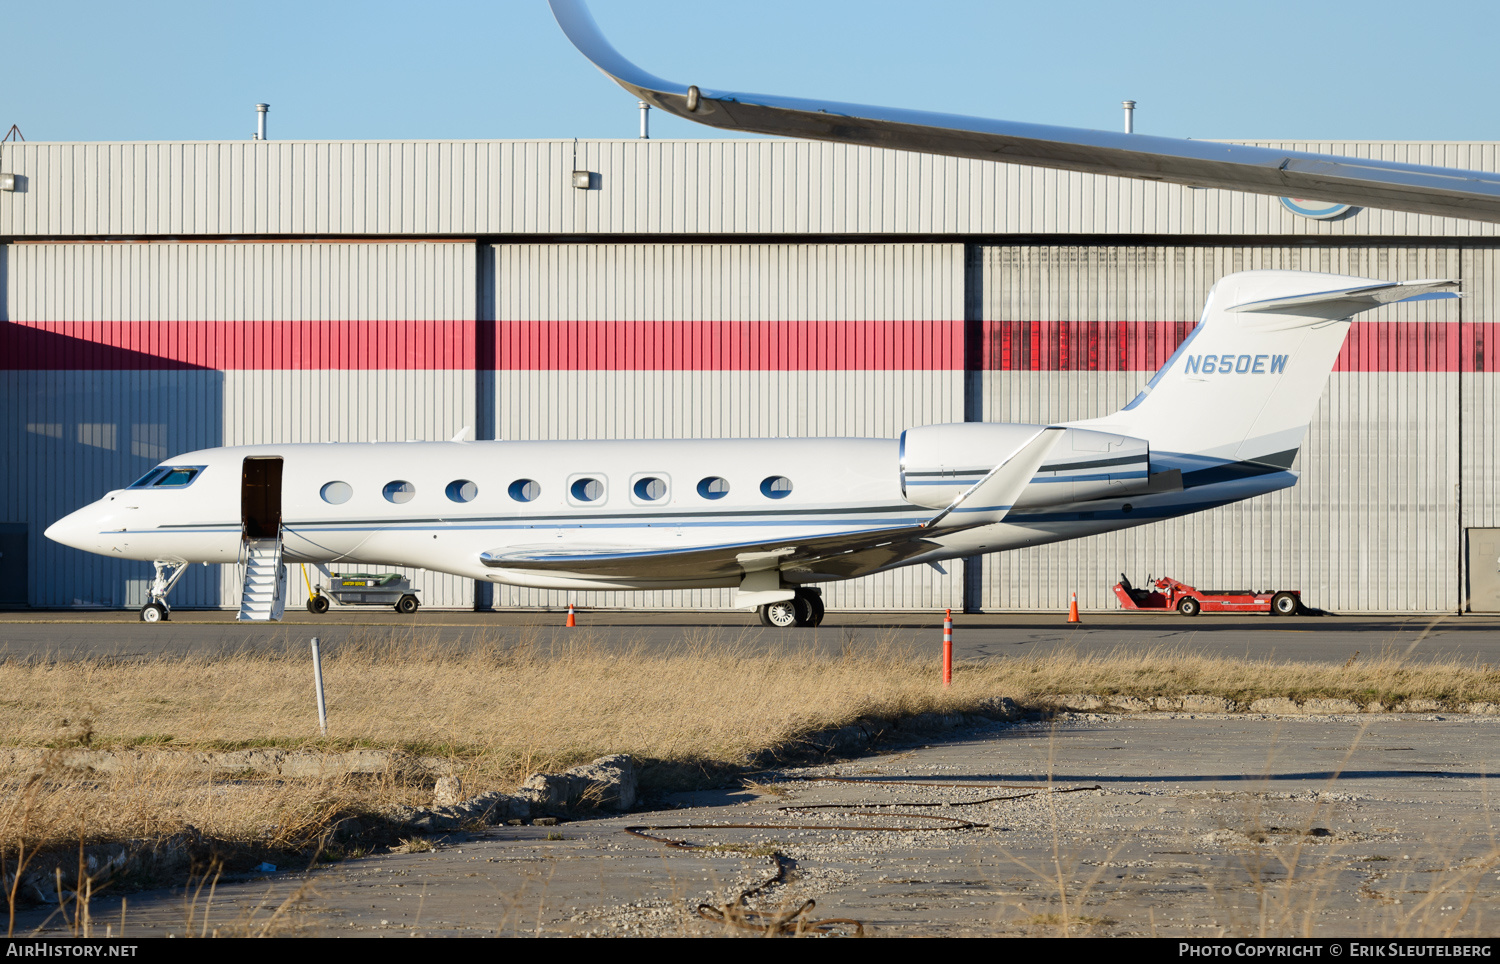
point(649, 488)
point(713, 487)
point(337, 493)
point(586, 489)
point(462, 490)
point(524, 490)
point(399, 492)
point(776, 487)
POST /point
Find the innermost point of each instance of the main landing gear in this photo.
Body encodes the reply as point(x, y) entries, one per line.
point(803, 610)
point(167, 574)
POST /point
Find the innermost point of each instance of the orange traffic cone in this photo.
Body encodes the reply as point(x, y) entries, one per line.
point(571, 620)
point(1072, 610)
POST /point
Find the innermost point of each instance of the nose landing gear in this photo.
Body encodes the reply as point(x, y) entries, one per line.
point(167, 574)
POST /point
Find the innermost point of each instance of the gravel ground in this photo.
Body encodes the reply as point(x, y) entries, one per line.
point(1173, 825)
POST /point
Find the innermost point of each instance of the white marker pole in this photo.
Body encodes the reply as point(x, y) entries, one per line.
point(318, 682)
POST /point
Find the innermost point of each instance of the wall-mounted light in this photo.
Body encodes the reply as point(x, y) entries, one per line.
point(583, 180)
point(7, 182)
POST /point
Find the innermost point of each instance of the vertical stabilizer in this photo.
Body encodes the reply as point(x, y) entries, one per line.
point(1244, 384)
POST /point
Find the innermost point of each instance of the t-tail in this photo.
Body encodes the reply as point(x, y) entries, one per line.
point(1243, 386)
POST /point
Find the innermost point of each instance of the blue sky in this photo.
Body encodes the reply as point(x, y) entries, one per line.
point(158, 70)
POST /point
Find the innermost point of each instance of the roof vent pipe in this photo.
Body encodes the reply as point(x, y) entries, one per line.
point(645, 124)
point(260, 121)
point(1129, 106)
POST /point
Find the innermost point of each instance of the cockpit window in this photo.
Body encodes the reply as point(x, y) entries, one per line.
point(168, 477)
point(177, 477)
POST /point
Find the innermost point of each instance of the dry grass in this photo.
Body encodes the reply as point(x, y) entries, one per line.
point(524, 705)
point(519, 705)
point(1386, 679)
point(507, 707)
point(502, 709)
point(160, 798)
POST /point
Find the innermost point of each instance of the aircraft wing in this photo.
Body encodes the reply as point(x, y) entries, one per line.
point(1446, 192)
point(843, 555)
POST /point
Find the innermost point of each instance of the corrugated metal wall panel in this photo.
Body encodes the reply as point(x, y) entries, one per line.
point(141, 351)
point(425, 188)
point(1480, 395)
point(1372, 524)
point(70, 436)
point(727, 341)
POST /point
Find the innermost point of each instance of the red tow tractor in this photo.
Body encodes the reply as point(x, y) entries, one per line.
point(1168, 593)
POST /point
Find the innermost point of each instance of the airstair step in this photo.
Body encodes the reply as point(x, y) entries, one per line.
point(263, 584)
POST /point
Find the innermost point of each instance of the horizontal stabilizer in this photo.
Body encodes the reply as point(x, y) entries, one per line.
point(1446, 192)
point(1343, 302)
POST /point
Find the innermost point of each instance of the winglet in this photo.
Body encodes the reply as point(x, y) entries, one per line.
point(578, 24)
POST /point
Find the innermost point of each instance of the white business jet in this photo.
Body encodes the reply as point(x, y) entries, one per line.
point(1220, 422)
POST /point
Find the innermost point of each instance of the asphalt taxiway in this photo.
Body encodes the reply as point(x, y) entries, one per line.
point(75, 634)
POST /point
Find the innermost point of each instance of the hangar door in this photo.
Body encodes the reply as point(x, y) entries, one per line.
point(136, 352)
point(622, 341)
point(1483, 571)
point(1075, 332)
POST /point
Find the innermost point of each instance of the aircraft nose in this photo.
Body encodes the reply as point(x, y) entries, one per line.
point(76, 530)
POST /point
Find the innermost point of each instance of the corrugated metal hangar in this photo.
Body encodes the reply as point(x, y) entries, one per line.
point(162, 297)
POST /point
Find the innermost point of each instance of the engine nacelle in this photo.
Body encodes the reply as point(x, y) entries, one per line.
point(940, 462)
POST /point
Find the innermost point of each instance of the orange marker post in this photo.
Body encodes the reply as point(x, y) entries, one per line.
point(1073, 610)
point(571, 620)
point(948, 648)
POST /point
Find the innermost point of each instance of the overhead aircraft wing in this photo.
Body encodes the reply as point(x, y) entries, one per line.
point(844, 555)
point(1447, 192)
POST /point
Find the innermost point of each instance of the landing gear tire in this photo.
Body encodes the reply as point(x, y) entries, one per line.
point(318, 605)
point(1189, 606)
point(153, 613)
point(1285, 604)
point(810, 608)
point(781, 615)
point(407, 605)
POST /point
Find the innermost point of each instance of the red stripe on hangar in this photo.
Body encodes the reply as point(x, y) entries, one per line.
point(1145, 346)
point(1125, 346)
point(465, 345)
point(728, 346)
point(1079, 346)
point(236, 345)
